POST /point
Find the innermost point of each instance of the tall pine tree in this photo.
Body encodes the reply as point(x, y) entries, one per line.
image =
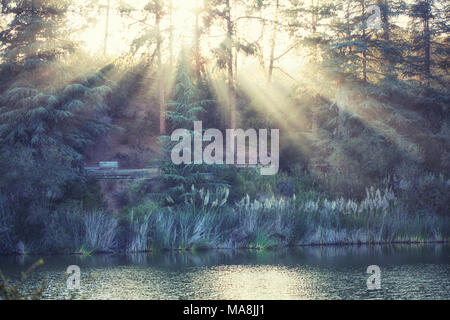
point(186, 106)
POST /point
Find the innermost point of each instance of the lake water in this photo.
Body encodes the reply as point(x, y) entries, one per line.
point(332, 272)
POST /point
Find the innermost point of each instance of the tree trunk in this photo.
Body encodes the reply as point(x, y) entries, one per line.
point(171, 34)
point(427, 44)
point(274, 39)
point(196, 46)
point(385, 19)
point(105, 44)
point(231, 88)
point(314, 22)
point(315, 115)
point(388, 67)
point(161, 93)
point(364, 36)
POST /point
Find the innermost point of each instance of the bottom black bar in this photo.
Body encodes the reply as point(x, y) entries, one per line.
point(219, 309)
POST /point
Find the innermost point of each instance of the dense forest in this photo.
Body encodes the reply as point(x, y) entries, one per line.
point(359, 90)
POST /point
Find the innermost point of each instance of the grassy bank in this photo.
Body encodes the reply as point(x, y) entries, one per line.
point(210, 219)
point(279, 222)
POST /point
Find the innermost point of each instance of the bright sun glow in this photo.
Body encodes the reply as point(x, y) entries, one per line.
point(122, 29)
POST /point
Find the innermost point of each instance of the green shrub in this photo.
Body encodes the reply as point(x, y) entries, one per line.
point(10, 291)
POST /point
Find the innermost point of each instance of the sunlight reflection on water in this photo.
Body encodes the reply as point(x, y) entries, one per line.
point(408, 272)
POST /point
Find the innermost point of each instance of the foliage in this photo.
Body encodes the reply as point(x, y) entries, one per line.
point(181, 114)
point(364, 122)
point(10, 291)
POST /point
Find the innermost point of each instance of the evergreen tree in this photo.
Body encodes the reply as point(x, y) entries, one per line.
point(35, 36)
point(48, 111)
point(390, 43)
point(42, 106)
point(186, 105)
point(429, 28)
point(67, 118)
point(223, 14)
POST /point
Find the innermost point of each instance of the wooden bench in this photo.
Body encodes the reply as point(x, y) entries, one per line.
point(108, 165)
point(114, 174)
